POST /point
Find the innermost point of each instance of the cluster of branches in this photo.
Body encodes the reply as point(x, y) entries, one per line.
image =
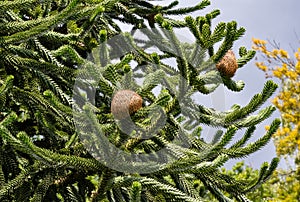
point(42, 46)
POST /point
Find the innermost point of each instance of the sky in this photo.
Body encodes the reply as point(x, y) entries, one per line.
point(276, 20)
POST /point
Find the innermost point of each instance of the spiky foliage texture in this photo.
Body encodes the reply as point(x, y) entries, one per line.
point(42, 44)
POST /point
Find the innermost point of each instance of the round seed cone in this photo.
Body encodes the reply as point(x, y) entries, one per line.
point(228, 64)
point(125, 103)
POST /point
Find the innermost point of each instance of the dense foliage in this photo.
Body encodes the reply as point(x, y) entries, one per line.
point(44, 46)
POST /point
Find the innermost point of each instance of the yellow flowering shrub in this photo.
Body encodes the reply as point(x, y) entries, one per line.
point(279, 64)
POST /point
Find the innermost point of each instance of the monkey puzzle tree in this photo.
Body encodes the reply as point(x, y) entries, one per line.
point(83, 119)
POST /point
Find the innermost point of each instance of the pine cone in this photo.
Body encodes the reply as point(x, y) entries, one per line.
point(125, 103)
point(228, 64)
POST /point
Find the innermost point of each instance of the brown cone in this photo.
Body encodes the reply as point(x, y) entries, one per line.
point(228, 64)
point(125, 103)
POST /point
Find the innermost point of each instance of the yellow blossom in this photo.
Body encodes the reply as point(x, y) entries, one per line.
point(297, 67)
point(292, 75)
point(286, 130)
point(275, 51)
point(293, 101)
point(267, 127)
point(284, 67)
point(261, 66)
point(259, 41)
point(277, 73)
point(297, 56)
point(275, 101)
point(283, 53)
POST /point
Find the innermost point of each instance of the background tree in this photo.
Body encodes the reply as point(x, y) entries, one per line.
point(279, 64)
point(43, 48)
